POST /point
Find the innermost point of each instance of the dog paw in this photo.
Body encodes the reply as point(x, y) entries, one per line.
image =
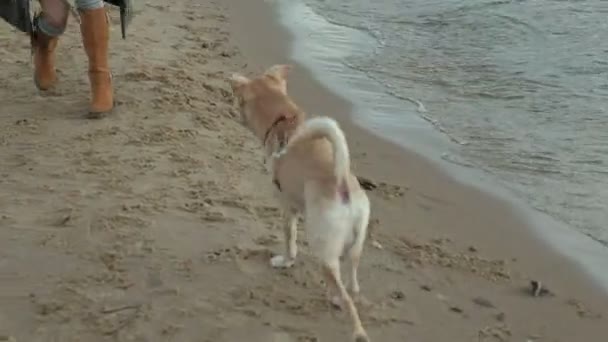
point(377, 244)
point(336, 302)
point(361, 301)
point(279, 154)
point(361, 337)
point(279, 261)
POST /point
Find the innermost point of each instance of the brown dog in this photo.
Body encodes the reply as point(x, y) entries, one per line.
point(310, 165)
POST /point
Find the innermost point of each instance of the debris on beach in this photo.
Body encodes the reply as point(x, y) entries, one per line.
point(456, 309)
point(388, 191)
point(398, 295)
point(367, 183)
point(426, 288)
point(537, 289)
point(483, 302)
point(501, 316)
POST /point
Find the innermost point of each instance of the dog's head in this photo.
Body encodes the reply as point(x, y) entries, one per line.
point(258, 96)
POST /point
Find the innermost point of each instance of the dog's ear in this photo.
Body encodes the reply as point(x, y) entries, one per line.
point(238, 82)
point(280, 71)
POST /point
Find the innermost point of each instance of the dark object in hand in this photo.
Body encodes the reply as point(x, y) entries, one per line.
point(126, 14)
point(17, 14)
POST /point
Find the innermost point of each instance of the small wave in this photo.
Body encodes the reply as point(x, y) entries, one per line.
point(523, 167)
point(586, 70)
point(420, 106)
point(451, 158)
point(589, 161)
point(494, 96)
point(476, 6)
point(519, 22)
point(598, 172)
point(578, 194)
point(440, 128)
point(598, 240)
point(375, 34)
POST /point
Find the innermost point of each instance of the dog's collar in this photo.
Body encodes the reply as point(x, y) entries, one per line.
point(274, 125)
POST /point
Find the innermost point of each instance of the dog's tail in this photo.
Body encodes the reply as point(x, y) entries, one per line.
point(325, 127)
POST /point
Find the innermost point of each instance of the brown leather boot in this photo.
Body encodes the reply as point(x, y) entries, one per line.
point(45, 75)
point(95, 37)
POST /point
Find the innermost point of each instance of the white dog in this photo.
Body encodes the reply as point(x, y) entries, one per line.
point(310, 164)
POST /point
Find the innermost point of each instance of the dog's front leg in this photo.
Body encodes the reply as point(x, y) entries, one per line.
point(290, 228)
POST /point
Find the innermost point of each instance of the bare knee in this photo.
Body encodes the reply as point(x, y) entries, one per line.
point(55, 13)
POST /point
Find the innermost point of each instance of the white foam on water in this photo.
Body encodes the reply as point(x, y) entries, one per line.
point(322, 47)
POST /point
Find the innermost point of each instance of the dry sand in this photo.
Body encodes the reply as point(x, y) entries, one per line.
point(157, 223)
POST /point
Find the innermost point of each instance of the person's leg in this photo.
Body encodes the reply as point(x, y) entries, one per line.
point(49, 25)
point(95, 37)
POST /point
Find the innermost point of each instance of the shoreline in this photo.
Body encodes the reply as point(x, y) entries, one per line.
point(530, 255)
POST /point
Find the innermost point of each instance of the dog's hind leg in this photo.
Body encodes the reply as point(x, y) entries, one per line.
point(331, 270)
point(290, 228)
point(354, 254)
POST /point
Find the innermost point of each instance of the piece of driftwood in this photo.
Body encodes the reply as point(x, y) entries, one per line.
point(367, 184)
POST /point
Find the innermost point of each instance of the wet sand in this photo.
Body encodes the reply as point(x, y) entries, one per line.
point(157, 223)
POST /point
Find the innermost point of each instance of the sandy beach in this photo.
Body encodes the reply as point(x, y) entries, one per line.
point(157, 223)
